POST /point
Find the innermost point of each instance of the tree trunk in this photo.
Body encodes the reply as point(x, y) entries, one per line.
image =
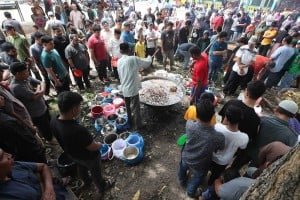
point(281, 180)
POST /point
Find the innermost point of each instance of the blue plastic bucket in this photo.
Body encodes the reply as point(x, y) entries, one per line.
point(122, 124)
point(135, 139)
point(106, 152)
point(132, 155)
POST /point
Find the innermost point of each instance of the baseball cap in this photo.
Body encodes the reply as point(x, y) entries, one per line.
point(7, 46)
point(50, 13)
point(17, 67)
point(8, 26)
point(289, 106)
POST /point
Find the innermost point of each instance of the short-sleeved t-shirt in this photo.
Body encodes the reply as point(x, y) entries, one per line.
point(250, 122)
point(60, 43)
point(77, 53)
point(247, 56)
point(36, 52)
point(73, 138)
point(234, 189)
point(167, 38)
point(24, 183)
point(22, 90)
point(51, 59)
point(217, 46)
point(97, 45)
point(201, 71)
point(259, 63)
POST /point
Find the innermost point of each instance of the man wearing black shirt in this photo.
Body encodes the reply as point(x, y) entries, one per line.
point(149, 17)
point(250, 122)
point(61, 41)
point(76, 140)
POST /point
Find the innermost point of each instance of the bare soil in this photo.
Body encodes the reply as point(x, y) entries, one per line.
point(155, 177)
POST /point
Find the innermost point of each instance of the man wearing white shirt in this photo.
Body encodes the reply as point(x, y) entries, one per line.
point(128, 69)
point(151, 37)
point(113, 49)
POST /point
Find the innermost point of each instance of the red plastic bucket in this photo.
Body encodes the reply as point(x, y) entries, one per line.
point(77, 73)
point(96, 111)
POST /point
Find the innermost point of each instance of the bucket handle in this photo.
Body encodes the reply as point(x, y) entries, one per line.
point(112, 155)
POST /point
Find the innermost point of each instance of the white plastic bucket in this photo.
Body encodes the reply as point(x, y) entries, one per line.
point(118, 147)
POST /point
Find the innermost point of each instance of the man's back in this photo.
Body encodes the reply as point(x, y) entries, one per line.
point(73, 138)
point(200, 145)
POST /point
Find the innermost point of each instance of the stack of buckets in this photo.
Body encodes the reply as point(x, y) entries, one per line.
point(129, 150)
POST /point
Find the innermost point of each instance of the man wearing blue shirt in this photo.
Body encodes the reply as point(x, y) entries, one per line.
point(217, 51)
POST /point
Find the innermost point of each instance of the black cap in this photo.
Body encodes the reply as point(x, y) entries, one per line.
point(17, 67)
point(7, 46)
point(3, 66)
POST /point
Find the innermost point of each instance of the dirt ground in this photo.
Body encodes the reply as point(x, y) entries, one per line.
point(155, 177)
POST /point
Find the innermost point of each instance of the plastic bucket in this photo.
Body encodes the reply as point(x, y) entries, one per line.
point(122, 124)
point(132, 155)
point(106, 152)
point(118, 147)
point(66, 166)
point(135, 139)
point(96, 111)
point(99, 123)
point(112, 118)
point(110, 138)
point(118, 102)
point(109, 110)
point(108, 129)
point(122, 111)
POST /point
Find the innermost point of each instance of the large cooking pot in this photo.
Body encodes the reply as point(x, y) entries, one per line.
point(161, 91)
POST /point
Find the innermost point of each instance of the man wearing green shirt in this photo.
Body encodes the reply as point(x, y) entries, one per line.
point(22, 45)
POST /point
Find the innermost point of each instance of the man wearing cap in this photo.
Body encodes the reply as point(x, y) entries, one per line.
point(128, 69)
point(35, 52)
point(127, 36)
point(54, 66)
point(268, 36)
point(53, 22)
point(98, 53)
point(275, 128)
point(21, 88)
point(10, 21)
point(78, 59)
point(242, 71)
point(9, 54)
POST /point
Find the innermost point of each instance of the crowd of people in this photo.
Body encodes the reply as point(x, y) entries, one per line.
point(121, 45)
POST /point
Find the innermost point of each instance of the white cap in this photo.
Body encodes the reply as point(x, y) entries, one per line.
point(50, 13)
point(289, 106)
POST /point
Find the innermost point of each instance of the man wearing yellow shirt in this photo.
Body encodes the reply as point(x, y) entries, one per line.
point(268, 36)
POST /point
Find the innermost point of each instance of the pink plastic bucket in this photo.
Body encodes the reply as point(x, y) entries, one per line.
point(109, 110)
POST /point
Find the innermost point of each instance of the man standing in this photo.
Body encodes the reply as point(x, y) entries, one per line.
point(61, 41)
point(54, 66)
point(200, 73)
point(98, 53)
point(268, 36)
point(78, 59)
point(21, 88)
point(216, 53)
point(149, 18)
point(281, 56)
point(128, 69)
point(13, 22)
point(77, 141)
point(127, 36)
point(35, 52)
point(167, 49)
point(76, 17)
point(151, 38)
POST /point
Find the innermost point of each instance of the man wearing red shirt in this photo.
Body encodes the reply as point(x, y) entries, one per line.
point(200, 73)
point(98, 53)
point(218, 21)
